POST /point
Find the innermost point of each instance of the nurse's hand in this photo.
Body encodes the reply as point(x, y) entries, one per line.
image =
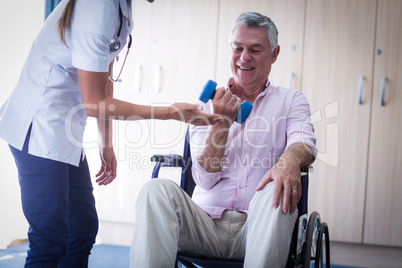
point(192, 114)
point(107, 172)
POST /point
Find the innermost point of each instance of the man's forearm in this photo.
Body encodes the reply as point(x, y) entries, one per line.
point(215, 144)
point(298, 153)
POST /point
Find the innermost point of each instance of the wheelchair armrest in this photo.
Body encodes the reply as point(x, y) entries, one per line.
point(305, 170)
point(172, 160)
point(303, 203)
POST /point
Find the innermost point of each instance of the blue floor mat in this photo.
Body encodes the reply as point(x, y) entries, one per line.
point(102, 256)
point(106, 256)
point(14, 256)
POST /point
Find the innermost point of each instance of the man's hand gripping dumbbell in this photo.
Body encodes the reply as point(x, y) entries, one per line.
point(208, 93)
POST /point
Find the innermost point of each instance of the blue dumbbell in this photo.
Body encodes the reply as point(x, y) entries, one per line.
point(208, 93)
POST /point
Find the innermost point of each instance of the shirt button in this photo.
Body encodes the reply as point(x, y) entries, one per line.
point(241, 186)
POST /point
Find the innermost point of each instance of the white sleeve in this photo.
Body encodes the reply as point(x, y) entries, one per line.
point(93, 25)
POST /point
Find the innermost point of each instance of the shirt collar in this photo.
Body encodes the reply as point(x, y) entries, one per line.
point(266, 90)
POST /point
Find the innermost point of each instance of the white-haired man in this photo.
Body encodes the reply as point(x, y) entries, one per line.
point(247, 175)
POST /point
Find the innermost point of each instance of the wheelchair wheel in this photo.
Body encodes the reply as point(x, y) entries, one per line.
point(310, 247)
point(323, 234)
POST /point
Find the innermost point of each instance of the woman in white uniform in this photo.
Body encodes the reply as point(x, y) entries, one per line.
point(66, 79)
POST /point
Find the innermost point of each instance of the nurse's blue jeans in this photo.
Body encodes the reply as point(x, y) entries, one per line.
point(59, 205)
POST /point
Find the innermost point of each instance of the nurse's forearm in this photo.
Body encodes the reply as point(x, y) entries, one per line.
point(113, 109)
point(97, 97)
point(105, 129)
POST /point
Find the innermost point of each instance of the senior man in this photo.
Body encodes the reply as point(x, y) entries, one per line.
point(247, 175)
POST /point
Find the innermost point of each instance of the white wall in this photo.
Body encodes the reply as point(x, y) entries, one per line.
point(19, 24)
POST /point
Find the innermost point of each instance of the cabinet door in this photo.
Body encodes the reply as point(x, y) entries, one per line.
point(116, 202)
point(383, 218)
point(172, 56)
point(288, 17)
point(338, 52)
point(182, 59)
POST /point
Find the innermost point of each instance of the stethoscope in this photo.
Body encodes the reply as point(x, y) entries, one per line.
point(115, 45)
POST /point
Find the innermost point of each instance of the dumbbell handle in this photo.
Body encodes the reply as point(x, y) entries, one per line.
point(208, 93)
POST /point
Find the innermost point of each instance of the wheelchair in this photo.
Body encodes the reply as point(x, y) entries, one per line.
point(310, 238)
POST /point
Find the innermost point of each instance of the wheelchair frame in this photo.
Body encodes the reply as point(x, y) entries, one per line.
point(306, 248)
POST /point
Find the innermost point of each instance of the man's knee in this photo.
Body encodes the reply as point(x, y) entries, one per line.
point(266, 194)
point(156, 190)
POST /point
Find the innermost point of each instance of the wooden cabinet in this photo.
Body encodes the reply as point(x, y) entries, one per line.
point(339, 51)
point(357, 172)
point(172, 56)
point(327, 50)
point(383, 215)
point(288, 16)
point(182, 57)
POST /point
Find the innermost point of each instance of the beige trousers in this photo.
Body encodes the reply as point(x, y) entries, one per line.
point(167, 221)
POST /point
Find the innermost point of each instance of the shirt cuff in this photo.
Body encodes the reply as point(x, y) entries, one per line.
point(204, 179)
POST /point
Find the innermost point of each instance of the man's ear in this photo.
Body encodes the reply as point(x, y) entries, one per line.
point(275, 53)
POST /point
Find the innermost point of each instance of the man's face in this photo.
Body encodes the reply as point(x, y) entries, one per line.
point(251, 57)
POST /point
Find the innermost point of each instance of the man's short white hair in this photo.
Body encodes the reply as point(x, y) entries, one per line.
point(254, 19)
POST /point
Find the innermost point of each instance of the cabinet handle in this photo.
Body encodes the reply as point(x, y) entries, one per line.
point(290, 79)
point(383, 81)
point(138, 78)
point(158, 80)
point(361, 89)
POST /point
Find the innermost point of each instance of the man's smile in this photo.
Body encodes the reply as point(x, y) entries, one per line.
point(246, 68)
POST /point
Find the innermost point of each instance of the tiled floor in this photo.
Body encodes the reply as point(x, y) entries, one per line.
point(365, 256)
